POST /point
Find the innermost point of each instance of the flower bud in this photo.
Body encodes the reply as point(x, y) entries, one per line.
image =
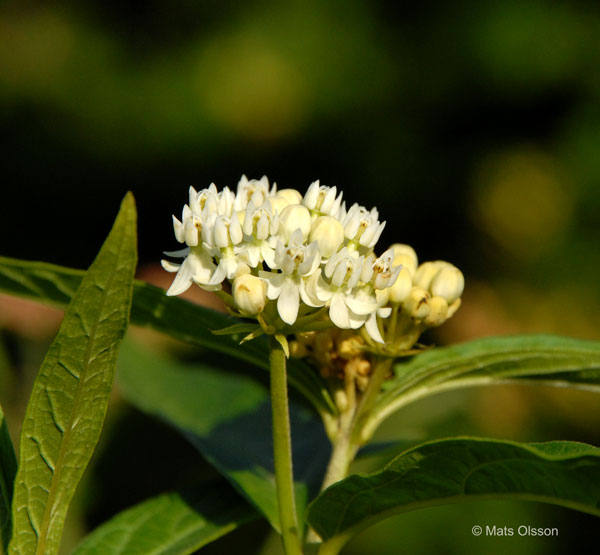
point(291, 195)
point(449, 283)
point(453, 308)
point(350, 347)
point(278, 203)
point(293, 217)
point(249, 293)
point(383, 296)
point(328, 233)
point(438, 312)
point(402, 287)
point(417, 303)
point(405, 255)
point(427, 271)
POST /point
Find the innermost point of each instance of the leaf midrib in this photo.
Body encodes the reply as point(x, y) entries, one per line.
point(43, 533)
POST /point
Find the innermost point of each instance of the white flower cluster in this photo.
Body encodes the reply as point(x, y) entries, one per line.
point(304, 252)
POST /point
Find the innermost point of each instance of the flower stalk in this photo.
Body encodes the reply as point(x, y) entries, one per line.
point(282, 449)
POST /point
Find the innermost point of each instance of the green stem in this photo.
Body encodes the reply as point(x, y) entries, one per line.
point(282, 450)
point(380, 372)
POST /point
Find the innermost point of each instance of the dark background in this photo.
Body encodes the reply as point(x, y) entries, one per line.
point(473, 126)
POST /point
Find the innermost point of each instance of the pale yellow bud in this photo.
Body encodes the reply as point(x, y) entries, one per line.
point(417, 303)
point(453, 308)
point(438, 312)
point(406, 256)
point(402, 286)
point(427, 271)
point(249, 293)
point(328, 233)
point(448, 283)
point(382, 296)
point(278, 204)
point(291, 195)
point(293, 217)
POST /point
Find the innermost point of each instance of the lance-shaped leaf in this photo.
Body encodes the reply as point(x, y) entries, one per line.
point(151, 308)
point(228, 419)
point(8, 469)
point(174, 523)
point(540, 359)
point(70, 395)
point(448, 471)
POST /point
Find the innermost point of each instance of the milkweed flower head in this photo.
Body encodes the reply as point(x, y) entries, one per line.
point(288, 259)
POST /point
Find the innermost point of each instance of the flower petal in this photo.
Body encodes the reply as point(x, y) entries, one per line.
point(338, 312)
point(274, 283)
point(182, 280)
point(170, 266)
point(362, 305)
point(373, 328)
point(289, 302)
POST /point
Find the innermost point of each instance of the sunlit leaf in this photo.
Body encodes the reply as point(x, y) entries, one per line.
point(540, 359)
point(8, 469)
point(151, 308)
point(453, 470)
point(70, 395)
point(228, 419)
point(170, 524)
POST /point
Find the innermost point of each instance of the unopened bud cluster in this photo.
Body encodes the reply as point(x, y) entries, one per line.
point(293, 255)
point(339, 354)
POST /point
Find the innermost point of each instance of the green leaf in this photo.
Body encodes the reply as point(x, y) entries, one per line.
point(8, 469)
point(540, 359)
point(151, 308)
point(228, 419)
point(448, 471)
point(170, 524)
point(70, 395)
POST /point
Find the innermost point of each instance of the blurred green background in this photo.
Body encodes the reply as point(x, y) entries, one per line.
point(474, 127)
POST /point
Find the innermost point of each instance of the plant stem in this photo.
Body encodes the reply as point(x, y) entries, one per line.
point(282, 450)
point(380, 372)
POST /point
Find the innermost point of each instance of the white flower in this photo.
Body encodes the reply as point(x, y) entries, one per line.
point(334, 286)
point(362, 227)
point(260, 226)
point(384, 272)
point(296, 261)
point(253, 191)
point(322, 201)
point(197, 268)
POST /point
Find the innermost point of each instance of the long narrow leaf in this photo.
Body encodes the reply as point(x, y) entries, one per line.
point(151, 308)
point(175, 523)
point(542, 359)
point(70, 395)
point(8, 469)
point(453, 470)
